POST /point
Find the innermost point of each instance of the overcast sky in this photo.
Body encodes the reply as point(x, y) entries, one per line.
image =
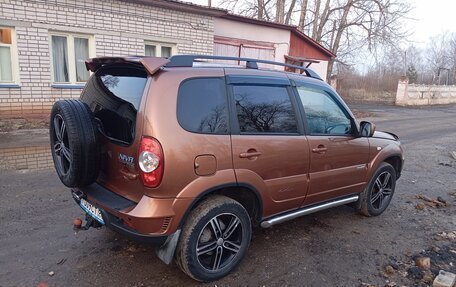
point(431, 17)
point(428, 18)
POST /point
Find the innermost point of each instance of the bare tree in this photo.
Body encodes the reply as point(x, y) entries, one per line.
point(342, 26)
point(452, 56)
point(280, 11)
point(290, 12)
point(260, 8)
point(315, 18)
point(302, 14)
point(438, 56)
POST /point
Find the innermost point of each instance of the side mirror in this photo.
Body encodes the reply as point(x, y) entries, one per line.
point(366, 129)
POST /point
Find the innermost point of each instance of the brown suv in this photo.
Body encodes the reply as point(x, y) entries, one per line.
point(191, 155)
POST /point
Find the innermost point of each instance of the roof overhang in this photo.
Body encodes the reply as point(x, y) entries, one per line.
point(301, 60)
point(255, 21)
point(182, 6)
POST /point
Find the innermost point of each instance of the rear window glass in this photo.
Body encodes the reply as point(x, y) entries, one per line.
point(264, 109)
point(114, 93)
point(125, 84)
point(201, 106)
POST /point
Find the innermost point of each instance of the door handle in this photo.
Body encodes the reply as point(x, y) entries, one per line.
point(320, 149)
point(250, 154)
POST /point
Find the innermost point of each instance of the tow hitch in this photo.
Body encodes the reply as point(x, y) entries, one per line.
point(90, 222)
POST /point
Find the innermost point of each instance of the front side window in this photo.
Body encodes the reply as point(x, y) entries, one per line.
point(264, 109)
point(323, 114)
point(201, 106)
point(7, 67)
point(68, 54)
point(159, 50)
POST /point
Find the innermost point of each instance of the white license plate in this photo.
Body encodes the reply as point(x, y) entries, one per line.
point(93, 211)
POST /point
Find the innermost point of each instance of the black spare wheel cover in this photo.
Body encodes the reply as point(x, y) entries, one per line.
point(74, 143)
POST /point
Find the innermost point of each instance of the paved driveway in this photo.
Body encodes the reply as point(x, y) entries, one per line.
point(335, 247)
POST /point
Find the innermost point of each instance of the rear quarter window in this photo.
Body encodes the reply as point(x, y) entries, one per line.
point(201, 106)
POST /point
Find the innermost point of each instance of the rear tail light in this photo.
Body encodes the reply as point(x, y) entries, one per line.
point(150, 160)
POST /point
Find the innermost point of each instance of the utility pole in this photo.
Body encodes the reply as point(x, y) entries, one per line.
point(209, 3)
point(405, 63)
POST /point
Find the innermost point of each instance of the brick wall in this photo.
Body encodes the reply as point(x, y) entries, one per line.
point(119, 28)
point(31, 158)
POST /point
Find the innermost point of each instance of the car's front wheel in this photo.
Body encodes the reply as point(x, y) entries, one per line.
point(214, 239)
point(379, 192)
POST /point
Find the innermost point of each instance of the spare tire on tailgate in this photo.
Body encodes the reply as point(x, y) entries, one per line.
point(74, 143)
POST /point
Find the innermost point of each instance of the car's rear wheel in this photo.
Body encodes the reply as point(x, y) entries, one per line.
point(377, 196)
point(74, 144)
point(214, 239)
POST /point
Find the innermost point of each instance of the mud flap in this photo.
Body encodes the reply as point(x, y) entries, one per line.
point(166, 251)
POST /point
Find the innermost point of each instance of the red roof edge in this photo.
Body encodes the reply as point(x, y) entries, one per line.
point(314, 43)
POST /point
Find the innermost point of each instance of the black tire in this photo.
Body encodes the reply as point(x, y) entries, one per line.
point(198, 232)
point(377, 196)
point(74, 143)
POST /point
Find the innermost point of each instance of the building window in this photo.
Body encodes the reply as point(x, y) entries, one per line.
point(68, 55)
point(8, 60)
point(159, 50)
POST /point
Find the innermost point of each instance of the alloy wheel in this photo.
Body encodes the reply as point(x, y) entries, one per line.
point(381, 190)
point(60, 145)
point(219, 242)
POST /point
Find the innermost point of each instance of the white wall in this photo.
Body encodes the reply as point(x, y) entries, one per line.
point(412, 94)
point(320, 68)
point(252, 32)
point(247, 31)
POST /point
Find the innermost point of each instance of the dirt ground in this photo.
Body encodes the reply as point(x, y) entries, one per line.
point(336, 247)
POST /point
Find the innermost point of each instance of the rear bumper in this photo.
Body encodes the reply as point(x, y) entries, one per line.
point(116, 224)
point(148, 221)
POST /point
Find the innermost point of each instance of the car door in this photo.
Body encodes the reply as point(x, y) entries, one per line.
point(269, 148)
point(338, 157)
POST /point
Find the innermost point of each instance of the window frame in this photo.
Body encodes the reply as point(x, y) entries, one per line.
point(227, 102)
point(158, 47)
point(15, 78)
point(71, 56)
point(263, 81)
point(337, 101)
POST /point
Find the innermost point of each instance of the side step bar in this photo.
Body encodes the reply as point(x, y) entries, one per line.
point(306, 210)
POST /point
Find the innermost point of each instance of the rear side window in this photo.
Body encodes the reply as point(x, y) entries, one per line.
point(201, 106)
point(114, 93)
point(264, 109)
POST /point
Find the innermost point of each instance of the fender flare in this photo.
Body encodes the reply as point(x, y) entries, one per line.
point(214, 189)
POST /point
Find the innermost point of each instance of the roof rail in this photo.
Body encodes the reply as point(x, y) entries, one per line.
point(187, 61)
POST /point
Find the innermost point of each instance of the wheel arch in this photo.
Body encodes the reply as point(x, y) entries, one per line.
point(391, 154)
point(243, 193)
point(396, 162)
